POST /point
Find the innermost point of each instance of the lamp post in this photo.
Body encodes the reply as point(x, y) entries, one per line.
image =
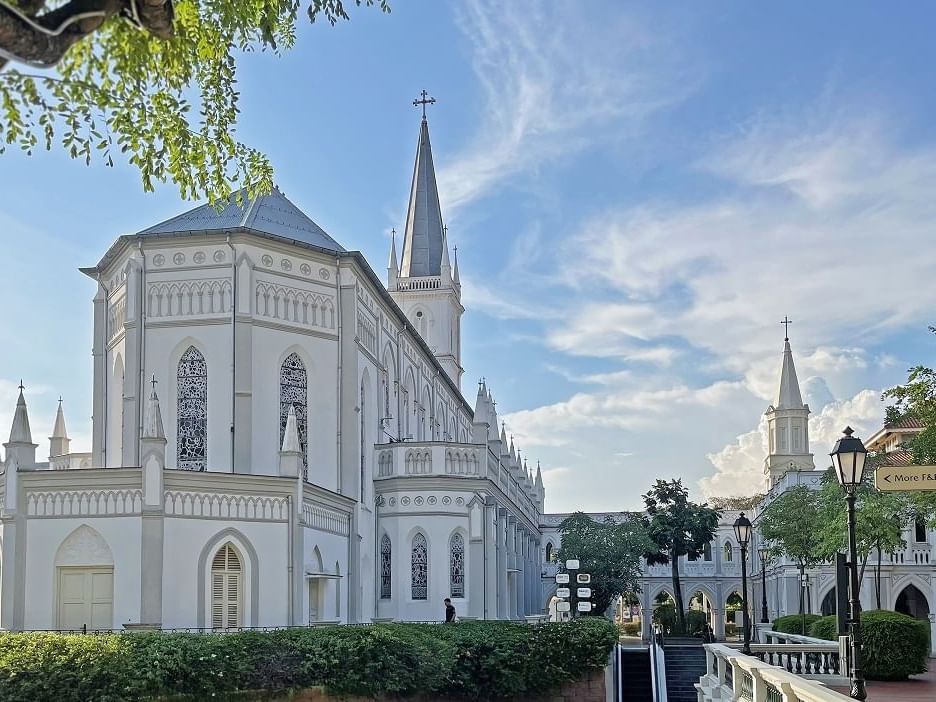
point(742, 530)
point(848, 459)
point(764, 554)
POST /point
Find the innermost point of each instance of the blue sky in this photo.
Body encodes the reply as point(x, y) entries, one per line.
point(639, 193)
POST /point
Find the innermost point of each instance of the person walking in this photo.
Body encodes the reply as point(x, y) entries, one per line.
point(450, 616)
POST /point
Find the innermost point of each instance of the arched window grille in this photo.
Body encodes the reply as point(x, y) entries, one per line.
point(419, 568)
point(386, 565)
point(192, 411)
point(293, 393)
point(457, 565)
point(226, 588)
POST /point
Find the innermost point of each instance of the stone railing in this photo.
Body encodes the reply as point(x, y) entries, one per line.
point(730, 675)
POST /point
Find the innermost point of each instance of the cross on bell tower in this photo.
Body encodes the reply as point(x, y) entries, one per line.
point(425, 100)
point(786, 322)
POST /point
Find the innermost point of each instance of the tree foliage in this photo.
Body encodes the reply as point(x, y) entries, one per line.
point(152, 79)
point(676, 527)
point(610, 550)
point(791, 526)
point(731, 503)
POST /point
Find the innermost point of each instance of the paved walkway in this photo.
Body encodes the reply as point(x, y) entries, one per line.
point(919, 688)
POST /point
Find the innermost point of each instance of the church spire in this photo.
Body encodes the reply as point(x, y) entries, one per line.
point(789, 396)
point(19, 432)
point(423, 236)
point(393, 269)
point(59, 441)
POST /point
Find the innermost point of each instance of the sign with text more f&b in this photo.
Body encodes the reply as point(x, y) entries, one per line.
point(895, 479)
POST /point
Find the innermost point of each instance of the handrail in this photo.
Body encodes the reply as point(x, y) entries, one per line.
point(733, 675)
point(658, 664)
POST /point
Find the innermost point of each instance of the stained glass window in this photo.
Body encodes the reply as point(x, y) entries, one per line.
point(419, 568)
point(192, 411)
point(457, 565)
point(385, 568)
point(293, 394)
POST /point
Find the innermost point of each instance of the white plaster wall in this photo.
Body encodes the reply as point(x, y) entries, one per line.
point(332, 549)
point(438, 527)
point(43, 538)
point(184, 541)
point(164, 348)
point(320, 356)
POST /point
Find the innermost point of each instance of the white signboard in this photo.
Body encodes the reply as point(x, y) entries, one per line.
point(563, 606)
point(572, 564)
point(583, 578)
point(563, 592)
point(562, 578)
point(584, 606)
point(584, 592)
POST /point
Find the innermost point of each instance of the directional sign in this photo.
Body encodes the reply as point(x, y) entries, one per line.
point(572, 564)
point(563, 592)
point(583, 592)
point(563, 606)
point(584, 606)
point(583, 578)
point(562, 578)
point(892, 478)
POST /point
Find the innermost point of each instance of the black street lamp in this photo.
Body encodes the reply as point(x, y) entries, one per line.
point(764, 554)
point(742, 530)
point(848, 458)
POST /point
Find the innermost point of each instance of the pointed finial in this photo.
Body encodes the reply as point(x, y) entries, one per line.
point(786, 322)
point(153, 383)
point(21, 386)
point(425, 100)
point(848, 431)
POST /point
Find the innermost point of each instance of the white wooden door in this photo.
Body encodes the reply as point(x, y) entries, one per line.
point(85, 598)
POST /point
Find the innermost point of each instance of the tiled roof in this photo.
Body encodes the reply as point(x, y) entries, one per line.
point(907, 423)
point(900, 457)
point(266, 214)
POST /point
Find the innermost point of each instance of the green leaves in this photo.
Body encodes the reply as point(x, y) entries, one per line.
point(124, 87)
point(609, 551)
point(791, 524)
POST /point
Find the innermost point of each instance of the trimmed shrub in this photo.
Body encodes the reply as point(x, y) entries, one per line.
point(893, 644)
point(469, 660)
point(825, 628)
point(793, 623)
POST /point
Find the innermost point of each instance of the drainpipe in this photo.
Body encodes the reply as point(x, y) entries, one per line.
point(227, 240)
point(142, 379)
point(338, 398)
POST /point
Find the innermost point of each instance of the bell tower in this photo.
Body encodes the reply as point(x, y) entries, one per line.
point(787, 424)
point(426, 284)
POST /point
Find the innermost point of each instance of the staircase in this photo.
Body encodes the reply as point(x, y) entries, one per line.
point(685, 664)
point(635, 675)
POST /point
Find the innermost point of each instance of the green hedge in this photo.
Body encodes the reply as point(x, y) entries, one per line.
point(825, 628)
point(793, 623)
point(893, 644)
point(469, 660)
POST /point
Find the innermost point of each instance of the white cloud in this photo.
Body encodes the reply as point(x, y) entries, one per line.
point(739, 465)
point(554, 81)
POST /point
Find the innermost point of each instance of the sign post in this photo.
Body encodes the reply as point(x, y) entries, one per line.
point(900, 478)
point(573, 600)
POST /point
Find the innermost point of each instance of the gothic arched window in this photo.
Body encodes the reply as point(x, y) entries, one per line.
point(728, 552)
point(419, 568)
point(386, 564)
point(293, 394)
point(192, 411)
point(457, 565)
point(550, 557)
point(225, 588)
point(707, 551)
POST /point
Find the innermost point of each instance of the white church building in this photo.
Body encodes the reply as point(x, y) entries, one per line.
point(278, 439)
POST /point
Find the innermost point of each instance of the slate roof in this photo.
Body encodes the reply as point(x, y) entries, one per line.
point(271, 214)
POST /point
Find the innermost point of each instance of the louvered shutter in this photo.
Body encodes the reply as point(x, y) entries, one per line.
point(225, 588)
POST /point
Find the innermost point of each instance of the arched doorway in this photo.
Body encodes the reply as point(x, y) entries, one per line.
point(912, 602)
point(699, 613)
point(828, 603)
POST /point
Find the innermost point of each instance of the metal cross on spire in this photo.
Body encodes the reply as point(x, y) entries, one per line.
point(424, 101)
point(786, 322)
point(21, 386)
